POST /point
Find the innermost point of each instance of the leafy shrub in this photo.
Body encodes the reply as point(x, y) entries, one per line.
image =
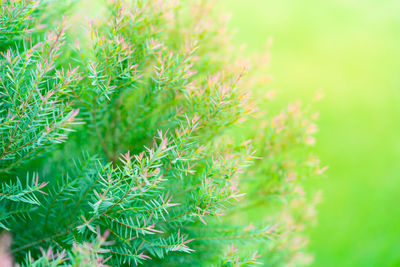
point(135, 143)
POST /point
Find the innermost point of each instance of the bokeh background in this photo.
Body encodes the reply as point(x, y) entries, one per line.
point(350, 49)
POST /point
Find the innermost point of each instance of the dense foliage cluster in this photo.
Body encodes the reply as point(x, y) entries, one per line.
point(140, 143)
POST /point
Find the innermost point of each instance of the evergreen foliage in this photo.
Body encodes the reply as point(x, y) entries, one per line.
point(136, 143)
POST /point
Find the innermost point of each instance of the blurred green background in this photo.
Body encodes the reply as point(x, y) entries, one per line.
point(350, 49)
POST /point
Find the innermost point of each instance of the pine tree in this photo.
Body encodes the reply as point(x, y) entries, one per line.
point(141, 144)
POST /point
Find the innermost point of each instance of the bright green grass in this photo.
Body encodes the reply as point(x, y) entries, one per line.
point(350, 49)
